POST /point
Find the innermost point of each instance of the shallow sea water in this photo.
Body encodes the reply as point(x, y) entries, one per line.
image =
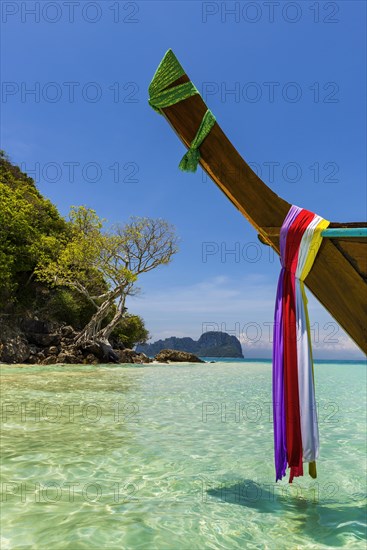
point(175, 457)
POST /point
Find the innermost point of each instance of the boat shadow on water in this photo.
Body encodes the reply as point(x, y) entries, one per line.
point(325, 520)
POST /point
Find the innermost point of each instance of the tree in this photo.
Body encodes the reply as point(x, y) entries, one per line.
point(131, 331)
point(94, 258)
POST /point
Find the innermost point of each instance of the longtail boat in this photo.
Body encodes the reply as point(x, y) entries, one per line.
point(338, 277)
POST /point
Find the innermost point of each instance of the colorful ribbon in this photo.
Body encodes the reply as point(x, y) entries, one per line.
point(296, 438)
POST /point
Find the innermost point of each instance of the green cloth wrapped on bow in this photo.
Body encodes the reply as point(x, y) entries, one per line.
point(160, 96)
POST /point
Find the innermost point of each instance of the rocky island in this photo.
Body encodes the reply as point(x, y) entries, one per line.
point(210, 344)
point(31, 341)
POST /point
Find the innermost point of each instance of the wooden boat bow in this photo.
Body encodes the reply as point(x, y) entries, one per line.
point(338, 278)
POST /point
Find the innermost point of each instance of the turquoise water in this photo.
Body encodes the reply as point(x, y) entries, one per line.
point(176, 457)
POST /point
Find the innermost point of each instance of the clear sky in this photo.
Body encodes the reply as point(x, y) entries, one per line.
point(286, 81)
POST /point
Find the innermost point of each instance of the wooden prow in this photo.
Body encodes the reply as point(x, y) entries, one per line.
point(333, 280)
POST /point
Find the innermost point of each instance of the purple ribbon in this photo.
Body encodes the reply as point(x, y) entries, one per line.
point(280, 440)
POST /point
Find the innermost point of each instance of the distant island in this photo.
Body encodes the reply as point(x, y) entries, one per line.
point(210, 344)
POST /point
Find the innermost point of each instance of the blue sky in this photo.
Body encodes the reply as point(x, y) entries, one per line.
point(296, 71)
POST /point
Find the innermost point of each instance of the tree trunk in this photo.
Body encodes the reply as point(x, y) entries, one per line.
point(104, 334)
point(92, 332)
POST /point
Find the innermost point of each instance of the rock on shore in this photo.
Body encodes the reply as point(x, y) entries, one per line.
point(37, 342)
point(32, 341)
point(177, 356)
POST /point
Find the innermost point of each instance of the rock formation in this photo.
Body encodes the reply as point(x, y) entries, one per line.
point(177, 357)
point(210, 344)
point(38, 342)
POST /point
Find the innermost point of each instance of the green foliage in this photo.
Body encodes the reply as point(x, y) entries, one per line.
point(33, 233)
point(69, 307)
point(73, 271)
point(131, 331)
point(30, 228)
point(104, 266)
point(76, 263)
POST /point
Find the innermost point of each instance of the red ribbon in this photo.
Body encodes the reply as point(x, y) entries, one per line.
point(292, 407)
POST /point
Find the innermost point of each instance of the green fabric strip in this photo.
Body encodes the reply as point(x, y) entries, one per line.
point(169, 71)
point(160, 96)
point(169, 97)
point(190, 160)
